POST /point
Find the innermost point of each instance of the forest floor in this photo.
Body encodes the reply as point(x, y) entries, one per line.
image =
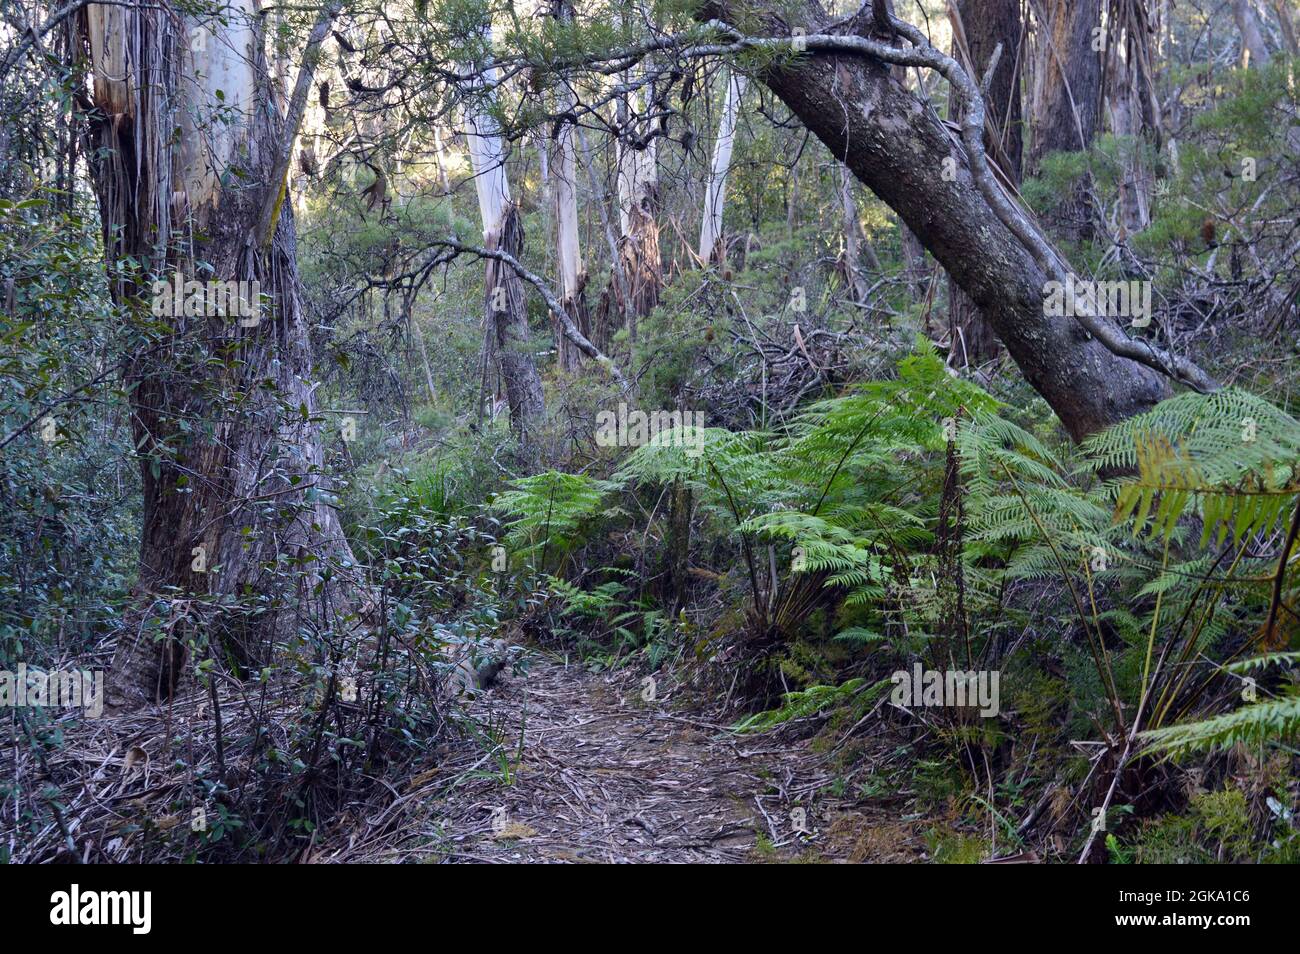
point(578, 767)
point(555, 763)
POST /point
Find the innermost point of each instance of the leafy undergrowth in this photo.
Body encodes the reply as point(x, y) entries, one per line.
point(1133, 598)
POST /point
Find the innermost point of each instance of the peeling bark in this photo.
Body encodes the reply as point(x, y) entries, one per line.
point(638, 212)
point(1066, 102)
point(503, 294)
point(981, 29)
point(573, 275)
point(224, 417)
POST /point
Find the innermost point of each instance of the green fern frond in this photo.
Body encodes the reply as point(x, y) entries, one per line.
point(1230, 454)
point(1274, 719)
point(1262, 661)
point(798, 705)
point(551, 508)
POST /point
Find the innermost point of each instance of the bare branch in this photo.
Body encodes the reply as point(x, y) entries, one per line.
point(570, 328)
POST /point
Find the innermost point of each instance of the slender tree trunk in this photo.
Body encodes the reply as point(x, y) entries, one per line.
point(440, 154)
point(617, 291)
point(913, 260)
point(1134, 111)
point(855, 246)
point(897, 147)
point(1067, 102)
point(712, 247)
point(981, 27)
point(1286, 21)
point(408, 308)
point(223, 410)
point(792, 202)
point(573, 275)
point(502, 290)
point(680, 510)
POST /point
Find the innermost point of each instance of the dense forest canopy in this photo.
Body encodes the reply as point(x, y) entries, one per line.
point(391, 388)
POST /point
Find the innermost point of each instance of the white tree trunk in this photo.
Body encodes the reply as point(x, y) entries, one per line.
point(503, 292)
point(573, 276)
point(1254, 49)
point(487, 156)
point(638, 181)
point(638, 211)
point(716, 188)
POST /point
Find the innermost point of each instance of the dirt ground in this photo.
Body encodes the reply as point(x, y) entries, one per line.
point(583, 767)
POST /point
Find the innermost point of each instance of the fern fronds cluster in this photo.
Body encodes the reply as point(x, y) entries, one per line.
point(552, 510)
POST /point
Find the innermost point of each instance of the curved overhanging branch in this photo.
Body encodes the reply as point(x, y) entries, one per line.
point(922, 54)
point(567, 324)
point(972, 134)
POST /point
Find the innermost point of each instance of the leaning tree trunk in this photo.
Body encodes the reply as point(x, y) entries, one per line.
point(1067, 103)
point(715, 192)
point(186, 143)
point(981, 27)
point(503, 291)
point(897, 146)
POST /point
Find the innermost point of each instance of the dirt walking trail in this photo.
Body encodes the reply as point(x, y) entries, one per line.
point(579, 767)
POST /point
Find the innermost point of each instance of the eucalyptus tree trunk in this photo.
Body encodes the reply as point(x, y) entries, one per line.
point(1286, 22)
point(1066, 102)
point(981, 27)
point(638, 210)
point(1254, 49)
point(712, 248)
point(1134, 110)
point(188, 159)
point(855, 245)
point(573, 275)
point(502, 289)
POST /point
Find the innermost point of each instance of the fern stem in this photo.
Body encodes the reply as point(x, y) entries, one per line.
point(1276, 599)
point(1151, 642)
point(1095, 643)
point(1171, 689)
